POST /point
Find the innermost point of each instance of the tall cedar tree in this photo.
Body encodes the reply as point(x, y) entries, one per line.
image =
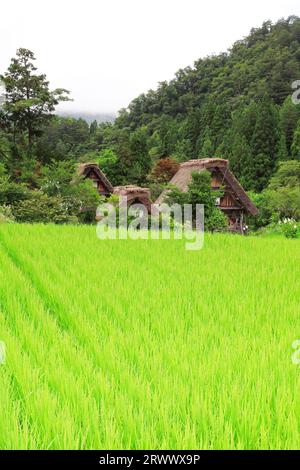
point(296, 143)
point(29, 102)
point(264, 146)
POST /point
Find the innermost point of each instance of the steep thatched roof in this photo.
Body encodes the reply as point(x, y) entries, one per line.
point(134, 193)
point(84, 169)
point(184, 175)
point(131, 189)
point(239, 191)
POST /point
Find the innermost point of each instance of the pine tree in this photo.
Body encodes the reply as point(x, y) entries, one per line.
point(240, 158)
point(93, 127)
point(289, 117)
point(282, 148)
point(192, 132)
point(296, 143)
point(224, 150)
point(220, 123)
point(29, 102)
point(264, 145)
point(140, 160)
point(207, 149)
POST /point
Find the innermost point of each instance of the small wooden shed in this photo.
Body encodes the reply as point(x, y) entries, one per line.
point(235, 201)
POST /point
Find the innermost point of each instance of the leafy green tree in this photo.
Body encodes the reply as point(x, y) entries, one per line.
point(39, 207)
point(167, 130)
point(240, 157)
point(295, 149)
point(207, 149)
point(139, 156)
point(200, 192)
point(282, 148)
point(64, 138)
point(57, 177)
point(283, 203)
point(265, 212)
point(289, 117)
point(281, 199)
point(193, 132)
point(78, 194)
point(287, 176)
point(93, 127)
point(11, 192)
point(107, 160)
point(156, 147)
point(29, 102)
point(220, 123)
point(264, 146)
point(4, 147)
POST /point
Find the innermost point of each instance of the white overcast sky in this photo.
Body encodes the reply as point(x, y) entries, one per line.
point(107, 52)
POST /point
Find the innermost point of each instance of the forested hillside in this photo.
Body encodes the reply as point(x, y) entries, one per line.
point(236, 105)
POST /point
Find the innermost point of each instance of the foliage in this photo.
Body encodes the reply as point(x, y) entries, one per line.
point(284, 202)
point(265, 215)
point(241, 97)
point(296, 143)
point(79, 195)
point(236, 105)
point(12, 193)
point(107, 161)
point(281, 199)
point(64, 139)
point(40, 207)
point(6, 215)
point(287, 176)
point(200, 192)
point(289, 228)
point(28, 100)
point(164, 170)
point(156, 189)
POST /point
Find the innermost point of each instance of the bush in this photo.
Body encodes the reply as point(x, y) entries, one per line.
point(6, 215)
point(12, 193)
point(200, 192)
point(265, 216)
point(40, 207)
point(217, 222)
point(289, 228)
point(79, 195)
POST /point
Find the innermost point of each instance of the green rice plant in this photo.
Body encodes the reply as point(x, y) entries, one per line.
point(128, 344)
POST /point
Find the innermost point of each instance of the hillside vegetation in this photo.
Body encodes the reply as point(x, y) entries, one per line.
point(236, 105)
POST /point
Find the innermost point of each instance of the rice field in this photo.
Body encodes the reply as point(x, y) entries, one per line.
point(137, 344)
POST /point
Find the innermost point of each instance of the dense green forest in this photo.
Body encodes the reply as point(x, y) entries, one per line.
point(236, 105)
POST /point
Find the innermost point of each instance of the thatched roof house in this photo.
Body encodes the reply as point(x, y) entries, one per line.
point(234, 203)
point(134, 195)
point(100, 181)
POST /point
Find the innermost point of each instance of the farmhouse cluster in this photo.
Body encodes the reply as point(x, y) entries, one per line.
point(235, 203)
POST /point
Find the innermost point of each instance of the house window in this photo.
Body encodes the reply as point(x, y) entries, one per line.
point(218, 201)
point(95, 184)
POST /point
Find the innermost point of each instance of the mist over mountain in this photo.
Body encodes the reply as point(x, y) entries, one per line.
point(89, 117)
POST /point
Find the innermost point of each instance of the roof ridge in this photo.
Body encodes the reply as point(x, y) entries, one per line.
point(205, 162)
